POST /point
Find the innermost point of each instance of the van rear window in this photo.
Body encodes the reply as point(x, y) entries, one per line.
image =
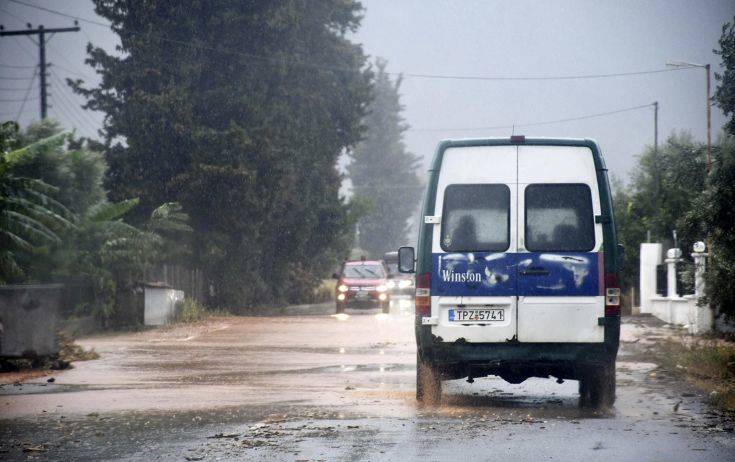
point(476, 218)
point(559, 218)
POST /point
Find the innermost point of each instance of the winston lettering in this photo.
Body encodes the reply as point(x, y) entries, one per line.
point(451, 276)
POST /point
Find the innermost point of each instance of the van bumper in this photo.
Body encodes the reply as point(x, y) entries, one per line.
point(516, 360)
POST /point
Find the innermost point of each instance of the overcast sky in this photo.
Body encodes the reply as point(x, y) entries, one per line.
point(471, 38)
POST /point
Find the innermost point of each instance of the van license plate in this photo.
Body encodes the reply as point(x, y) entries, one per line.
point(477, 315)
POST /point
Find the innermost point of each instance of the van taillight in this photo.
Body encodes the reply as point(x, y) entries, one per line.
point(612, 295)
point(423, 294)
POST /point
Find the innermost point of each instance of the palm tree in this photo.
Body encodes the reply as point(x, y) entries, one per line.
point(29, 216)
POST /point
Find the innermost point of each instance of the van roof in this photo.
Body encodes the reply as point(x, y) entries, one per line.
point(528, 140)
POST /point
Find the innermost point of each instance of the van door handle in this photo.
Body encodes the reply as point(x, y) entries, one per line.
point(535, 271)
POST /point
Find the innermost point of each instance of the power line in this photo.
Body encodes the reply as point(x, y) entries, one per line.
point(403, 74)
point(41, 33)
point(11, 89)
point(48, 10)
point(7, 113)
point(16, 67)
point(13, 78)
point(85, 116)
point(533, 124)
point(28, 92)
point(60, 109)
point(13, 15)
point(62, 55)
point(18, 100)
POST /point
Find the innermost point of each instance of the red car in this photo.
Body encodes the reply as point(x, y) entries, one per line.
point(362, 284)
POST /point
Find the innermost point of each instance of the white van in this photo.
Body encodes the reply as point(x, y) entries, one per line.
point(517, 266)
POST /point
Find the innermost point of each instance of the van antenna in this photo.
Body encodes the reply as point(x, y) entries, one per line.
point(513, 130)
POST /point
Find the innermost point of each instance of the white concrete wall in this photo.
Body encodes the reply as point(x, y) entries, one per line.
point(651, 256)
point(683, 311)
point(160, 305)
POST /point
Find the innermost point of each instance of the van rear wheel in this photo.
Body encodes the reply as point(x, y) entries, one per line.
point(428, 383)
point(597, 386)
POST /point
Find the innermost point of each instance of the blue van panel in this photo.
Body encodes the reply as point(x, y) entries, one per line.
point(474, 274)
point(483, 274)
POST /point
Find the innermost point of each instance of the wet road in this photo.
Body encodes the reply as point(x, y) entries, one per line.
point(336, 388)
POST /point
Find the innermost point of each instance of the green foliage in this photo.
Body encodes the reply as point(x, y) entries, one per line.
point(87, 242)
point(239, 112)
point(725, 92)
point(30, 217)
point(713, 215)
point(383, 173)
point(660, 194)
point(189, 310)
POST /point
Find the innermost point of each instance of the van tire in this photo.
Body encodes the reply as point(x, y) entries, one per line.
point(428, 383)
point(597, 386)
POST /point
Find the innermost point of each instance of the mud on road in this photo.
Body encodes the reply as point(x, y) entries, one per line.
point(337, 388)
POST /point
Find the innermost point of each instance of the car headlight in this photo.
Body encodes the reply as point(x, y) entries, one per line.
point(391, 284)
point(405, 283)
point(381, 288)
point(342, 288)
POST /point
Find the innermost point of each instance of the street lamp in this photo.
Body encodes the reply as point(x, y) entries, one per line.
point(684, 64)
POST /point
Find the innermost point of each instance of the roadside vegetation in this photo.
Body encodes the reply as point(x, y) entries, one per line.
point(57, 224)
point(672, 190)
point(709, 365)
point(189, 310)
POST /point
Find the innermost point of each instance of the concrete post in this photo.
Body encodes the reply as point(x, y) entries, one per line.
point(651, 256)
point(700, 262)
point(673, 256)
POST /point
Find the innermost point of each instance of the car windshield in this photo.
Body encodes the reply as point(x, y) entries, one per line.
point(364, 272)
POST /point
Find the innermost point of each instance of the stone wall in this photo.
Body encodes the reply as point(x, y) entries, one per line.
point(29, 320)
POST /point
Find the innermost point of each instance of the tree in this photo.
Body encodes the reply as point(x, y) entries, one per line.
point(60, 227)
point(713, 216)
point(660, 194)
point(383, 173)
point(238, 110)
point(712, 213)
point(30, 217)
point(725, 92)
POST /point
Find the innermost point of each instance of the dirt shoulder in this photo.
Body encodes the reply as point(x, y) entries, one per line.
point(705, 364)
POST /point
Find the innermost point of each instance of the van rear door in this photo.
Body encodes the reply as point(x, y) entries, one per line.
point(473, 281)
point(560, 260)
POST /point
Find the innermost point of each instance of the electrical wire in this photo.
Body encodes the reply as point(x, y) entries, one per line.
point(11, 89)
point(68, 61)
point(61, 110)
point(35, 98)
point(3, 114)
point(14, 16)
point(16, 67)
point(89, 123)
point(13, 78)
point(28, 92)
point(402, 74)
point(533, 124)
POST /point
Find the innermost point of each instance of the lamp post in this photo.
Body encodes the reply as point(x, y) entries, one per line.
point(706, 67)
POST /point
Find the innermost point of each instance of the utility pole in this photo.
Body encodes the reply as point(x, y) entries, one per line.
point(709, 121)
point(656, 173)
point(42, 40)
point(655, 128)
point(706, 67)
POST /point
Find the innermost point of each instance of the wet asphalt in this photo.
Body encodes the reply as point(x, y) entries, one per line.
point(338, 388)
